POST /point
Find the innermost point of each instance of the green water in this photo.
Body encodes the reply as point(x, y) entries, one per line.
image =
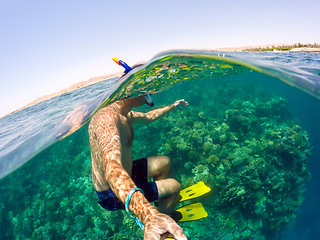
point(236, 135)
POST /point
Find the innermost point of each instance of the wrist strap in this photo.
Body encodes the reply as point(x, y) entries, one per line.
point(127, 206)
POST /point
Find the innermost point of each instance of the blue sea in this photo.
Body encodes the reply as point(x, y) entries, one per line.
point(250, 132)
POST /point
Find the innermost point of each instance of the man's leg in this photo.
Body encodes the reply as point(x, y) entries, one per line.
point(168, 193)
point(168, 188)
point(158, 167)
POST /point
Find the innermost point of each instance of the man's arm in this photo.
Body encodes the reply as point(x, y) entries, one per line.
point(107, 137)
point(138, 117)
point(155, 223)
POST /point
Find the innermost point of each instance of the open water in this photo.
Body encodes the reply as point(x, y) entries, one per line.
point(251, 132)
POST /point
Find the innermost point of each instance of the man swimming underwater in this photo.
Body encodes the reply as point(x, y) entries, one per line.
point(119, 181)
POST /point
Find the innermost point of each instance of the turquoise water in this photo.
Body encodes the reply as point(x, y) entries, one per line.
point(250, 136)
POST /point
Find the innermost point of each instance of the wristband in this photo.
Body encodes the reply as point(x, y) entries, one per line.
point(127, 206)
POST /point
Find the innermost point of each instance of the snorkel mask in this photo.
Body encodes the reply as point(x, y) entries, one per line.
point(148, 100)
point(147, 97)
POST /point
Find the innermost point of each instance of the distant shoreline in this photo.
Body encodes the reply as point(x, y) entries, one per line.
point(292, 48)
point(73, 87)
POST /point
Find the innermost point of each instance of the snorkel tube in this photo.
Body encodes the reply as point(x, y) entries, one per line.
point(123, 64)
point(147, 97)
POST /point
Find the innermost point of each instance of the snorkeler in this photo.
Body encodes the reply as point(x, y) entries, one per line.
point(122, 183)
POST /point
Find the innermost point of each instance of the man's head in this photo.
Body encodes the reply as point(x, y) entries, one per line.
point(138, 101)
point(147, 97)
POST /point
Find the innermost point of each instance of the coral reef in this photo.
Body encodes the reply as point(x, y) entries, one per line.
point(239, 139)
point(247, 148)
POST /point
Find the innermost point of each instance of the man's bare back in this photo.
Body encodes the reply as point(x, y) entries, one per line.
point(111, 136)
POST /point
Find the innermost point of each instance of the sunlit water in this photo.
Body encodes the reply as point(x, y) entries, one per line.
point(247, 133)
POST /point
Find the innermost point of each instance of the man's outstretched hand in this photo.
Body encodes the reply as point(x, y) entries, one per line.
point(161, 225)
point(181, 102)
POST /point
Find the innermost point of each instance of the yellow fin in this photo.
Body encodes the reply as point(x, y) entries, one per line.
point(190, 212)
point(194, 191)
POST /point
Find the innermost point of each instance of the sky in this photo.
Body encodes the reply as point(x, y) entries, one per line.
point(46, 46)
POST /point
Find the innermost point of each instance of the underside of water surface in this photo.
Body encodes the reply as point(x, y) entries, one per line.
point(240, 135)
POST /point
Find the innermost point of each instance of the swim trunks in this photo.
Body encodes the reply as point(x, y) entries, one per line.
point(109, 200)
